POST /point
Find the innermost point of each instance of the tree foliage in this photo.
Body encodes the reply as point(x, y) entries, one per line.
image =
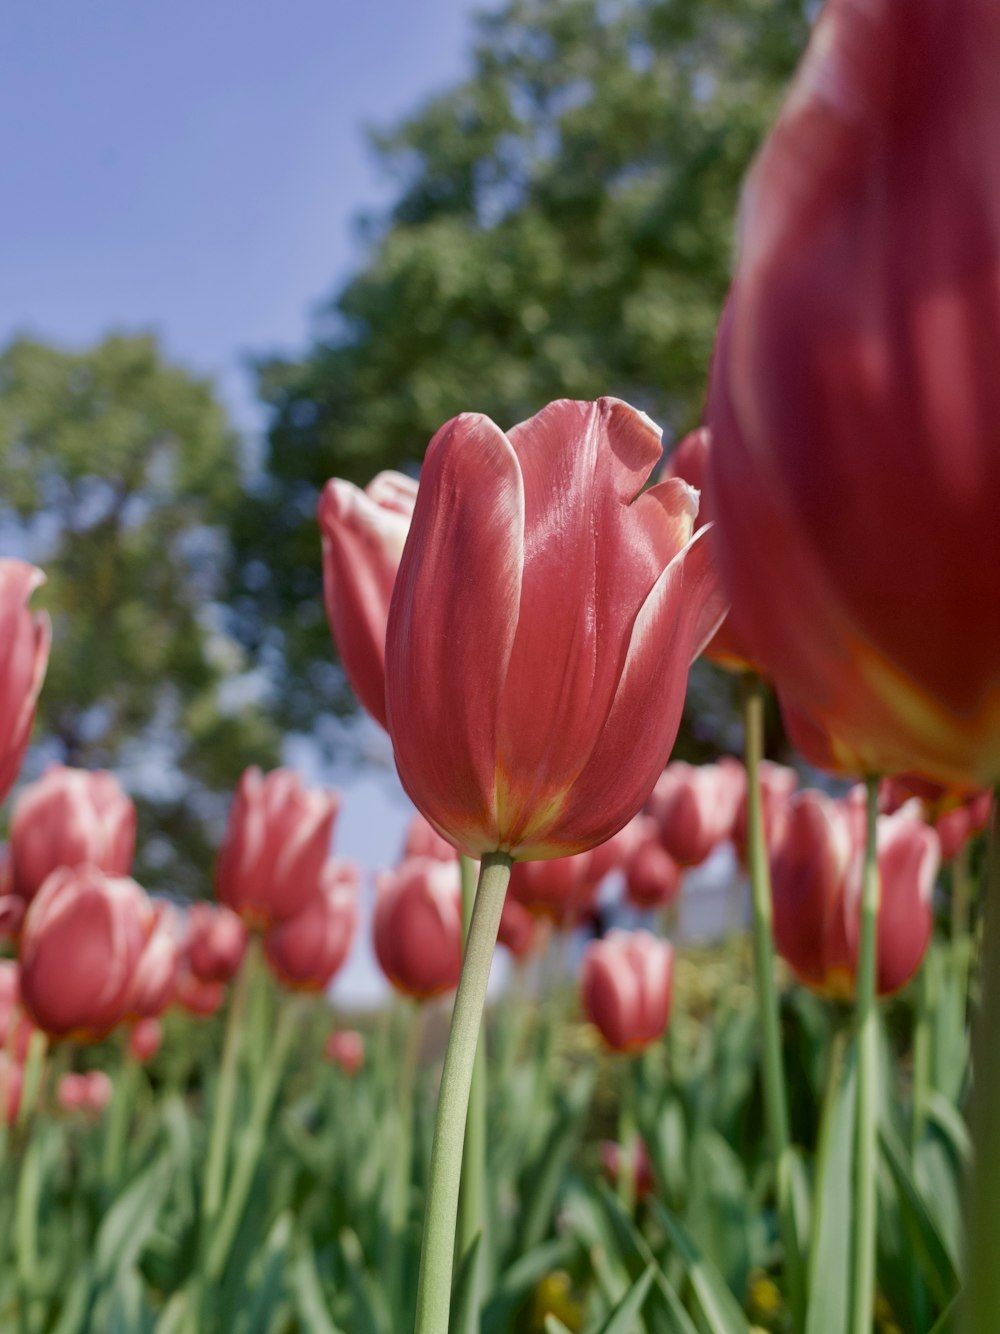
point(563, 226)
point(119, 476)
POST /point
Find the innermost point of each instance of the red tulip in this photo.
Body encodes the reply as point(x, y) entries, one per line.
point(956, 815)
point(562, 889)
point(854, 407)
point(518, 928)
point(652, 877)
point(197, 997)
point(307, 950)
point(89, 1092)
point(777, 783)
point(155, 973)
point(626, 985)
point(276, 846)
point(363, 536)
point(82, 939)
point(695, 808)
point(423, 840)
point(542, 625)
point(214, 943)
point(346, 1047)
point(642, 1168)
point(145, 1040)
point(418, 927)
point(24, 655)
point(614, 853)
point(66, 818)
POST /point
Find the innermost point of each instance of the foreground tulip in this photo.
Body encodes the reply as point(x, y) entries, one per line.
point(626, 983)
point(307, 950)
point(363, 537)
point(24, 656)
point(854, 409)
point(276, 846)
point(66, 818)
point(346, 1047)
point(82, 939)
point(215, 942)
point(543, 621)
point(418, 927)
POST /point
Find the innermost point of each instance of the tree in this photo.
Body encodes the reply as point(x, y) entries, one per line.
point(118, 476)
point(563, 227)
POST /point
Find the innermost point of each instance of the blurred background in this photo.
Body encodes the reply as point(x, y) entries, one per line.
point(247, 247)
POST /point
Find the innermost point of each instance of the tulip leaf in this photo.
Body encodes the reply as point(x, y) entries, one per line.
point(307, 1294)
point(719, 1308)
point(553, 1325)
point(514, 1285)
point(920, 1227)
point(466, 1291)
point(131, 1220)
point(267, 1291)
point(664, 1296)
point(830, 1240)
point(549, 1170)
point(622, 1319)
point(945, 1323)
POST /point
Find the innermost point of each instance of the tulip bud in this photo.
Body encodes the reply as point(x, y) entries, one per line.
point(214, 943)
point(145, 1040)
point(544, 617)
point(418, 927)
point(276, 846)
point(346, 1047)
point(626, 985)
point(24, 656)
point(83, 935)
point(66, 818)
point(363, 537)
point(306, 951)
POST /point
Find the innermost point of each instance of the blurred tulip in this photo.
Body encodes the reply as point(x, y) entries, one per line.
point(626, 983)
point(955, 827)
point(418, 927)
point(541, 629)
point(695, 806)
point(155, 973)
point(613, 854)
point(652, 877)
point(855, 412)
point(306, 951)
point(956, 815)
point(24, 656)
point(83, 935)
point(642, 1168)
point(562, 889)
point(816, 872)
point(777, 783)
point(66, 818)
point(276, 846)
point(145, 1040)
point(423, 840)
point(11, 1087)
point(12, 910)
point(15, 1026)
point(215, 941)
point(90, 1092)
point(346, 1047)
point(518, 929)
point(363, 537)
point(197, 997)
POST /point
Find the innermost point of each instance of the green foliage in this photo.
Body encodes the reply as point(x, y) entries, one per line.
point(119, 475)
point(563, 227)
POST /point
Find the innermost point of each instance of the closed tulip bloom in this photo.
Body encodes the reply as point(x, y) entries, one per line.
point(155, 974)
point(423, 840)
point(363, 537)
point(540, 633)
point(306, 951)
point(275, 848)
point(418, 927)
point(346, 1047)
point(197, 997)
point(519, 929)
point(652, 877)
point(696, 805)
point(215, 941)
point(24, 656)
point(90, 1092)
point(626, 985)
point(854, 406)
point(145, 1040)
point(562, 889)
point(66, 818)
point(82, 939)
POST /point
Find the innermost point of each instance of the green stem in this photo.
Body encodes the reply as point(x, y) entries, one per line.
point(437, 1256)
point(116, 1128)
point(29, 1190)
point(775, 1105)
point(472, 1213)
point(981, 1314)
point(628, 1138)
point(921, 1053)
point(225, 1092)
point(34, 1067)
point(252, 1142)
point(866, 1130)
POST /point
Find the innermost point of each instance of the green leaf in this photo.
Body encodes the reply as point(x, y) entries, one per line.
point(131, 1220)
point(546, 1174)
point(516, 1282)
point(623, 1318)
point(830, 1248)
point(267, 1291)
point(307, 1294)
point(921, 1228)
point(465, 1291)
point(721, 1312)
point(553, 1325)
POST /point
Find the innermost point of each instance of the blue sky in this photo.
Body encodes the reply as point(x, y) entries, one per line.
point(195, 165)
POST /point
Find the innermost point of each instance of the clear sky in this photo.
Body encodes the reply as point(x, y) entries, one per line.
point(195, 165)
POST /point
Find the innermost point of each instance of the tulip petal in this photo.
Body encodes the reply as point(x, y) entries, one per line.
point(452, 623)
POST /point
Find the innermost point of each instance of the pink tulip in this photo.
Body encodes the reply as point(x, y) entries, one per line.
point(82, 939)
point(214, 943)
point(695, 808)
point(66, 818)
point(306, 951)
point(614, 853)
point(24, 655)
point(418, 927)
point(626, 985)
point(145, 1040)
point(854, 406)
point(276, 846)
point(423, 840)
point(197, 997)
point(90, 1092)
point(652, 877)
point(541, 628)
point(363, 537)
point(955, 827)
point(777, 783)
point(346, 1047)
point(642, 1168)
point(519, 929)
point(155, 973)
point(562, 890)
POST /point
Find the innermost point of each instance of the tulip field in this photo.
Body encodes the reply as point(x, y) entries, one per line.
point(787, 1123)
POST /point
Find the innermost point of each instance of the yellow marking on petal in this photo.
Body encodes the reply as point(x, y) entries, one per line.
point(509, 809)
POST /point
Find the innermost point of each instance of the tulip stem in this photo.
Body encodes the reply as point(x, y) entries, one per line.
point(866, 1129)
point(982, 1295)
point(775, 1105)
point(472, 1214)
point(437, 1254)
point(225, 1091)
